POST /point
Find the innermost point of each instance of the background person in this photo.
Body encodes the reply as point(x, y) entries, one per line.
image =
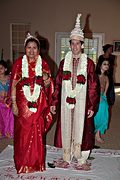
point(6, 115)
point(108, 49)
point(102, 116)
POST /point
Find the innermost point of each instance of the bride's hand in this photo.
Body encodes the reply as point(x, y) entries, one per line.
point(15, 109)
point(46, 79)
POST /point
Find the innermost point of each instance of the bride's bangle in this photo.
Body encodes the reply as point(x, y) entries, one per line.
point(13, 98)
point(13, 102)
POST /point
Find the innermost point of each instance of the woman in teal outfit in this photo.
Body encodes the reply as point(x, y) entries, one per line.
point(102, 116)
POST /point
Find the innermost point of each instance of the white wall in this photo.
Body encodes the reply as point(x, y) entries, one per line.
point(50, 16)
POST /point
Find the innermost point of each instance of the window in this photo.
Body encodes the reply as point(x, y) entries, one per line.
point(92, 47)
point(18, 32)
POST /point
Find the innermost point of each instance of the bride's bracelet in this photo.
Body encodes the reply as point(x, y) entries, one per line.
point(13, 101)
point(13, 98)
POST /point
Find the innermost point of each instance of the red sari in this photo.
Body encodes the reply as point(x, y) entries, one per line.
point(30, 128)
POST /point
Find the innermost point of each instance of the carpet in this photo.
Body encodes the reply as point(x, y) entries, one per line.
point(105, 166)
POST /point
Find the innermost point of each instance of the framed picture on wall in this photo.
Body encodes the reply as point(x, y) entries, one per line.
point(116, 45)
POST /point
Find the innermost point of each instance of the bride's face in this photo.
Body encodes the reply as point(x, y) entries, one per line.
point(32, 50)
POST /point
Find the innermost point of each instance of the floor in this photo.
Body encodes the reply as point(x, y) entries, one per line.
point(111, 138)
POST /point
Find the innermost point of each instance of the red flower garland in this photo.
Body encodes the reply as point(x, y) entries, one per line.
point(66, 75)
point(32, 104)
point(26, 81)
point(81, 79)
point(71, 100)
point(38, 80)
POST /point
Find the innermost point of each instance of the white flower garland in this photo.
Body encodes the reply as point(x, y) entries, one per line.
point(81, 70)
point(25, 74)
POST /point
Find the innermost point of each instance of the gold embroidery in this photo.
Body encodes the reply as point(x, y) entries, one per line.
point(27, 169)
point(77, 150)
point(66, 154)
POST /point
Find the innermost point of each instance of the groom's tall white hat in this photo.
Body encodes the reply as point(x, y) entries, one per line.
point(77, 32)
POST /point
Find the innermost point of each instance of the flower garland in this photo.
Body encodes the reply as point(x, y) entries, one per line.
point(31, 97)
point(81, 78)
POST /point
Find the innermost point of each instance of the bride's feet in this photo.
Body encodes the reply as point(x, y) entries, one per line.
point(98, 137)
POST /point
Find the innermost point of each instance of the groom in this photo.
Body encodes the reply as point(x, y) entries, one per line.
point(77, 87)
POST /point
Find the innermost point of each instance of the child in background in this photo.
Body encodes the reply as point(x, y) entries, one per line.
point(102, 116)
point(6, 115)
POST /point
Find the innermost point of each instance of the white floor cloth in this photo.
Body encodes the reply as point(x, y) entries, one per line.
point(105, 166)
